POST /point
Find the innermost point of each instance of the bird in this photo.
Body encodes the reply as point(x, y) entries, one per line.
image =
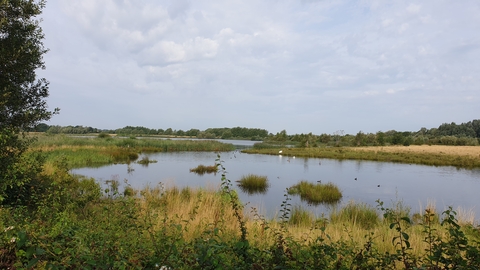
point(319, 181)
point(378, 186)
point(355, 179)
point(280, 151)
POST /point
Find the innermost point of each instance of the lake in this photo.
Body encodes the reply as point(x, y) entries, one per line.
point(413, 185)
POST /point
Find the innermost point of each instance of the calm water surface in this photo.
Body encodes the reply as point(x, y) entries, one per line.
point(414, 185)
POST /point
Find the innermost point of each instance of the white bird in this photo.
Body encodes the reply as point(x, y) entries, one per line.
point(280, 151)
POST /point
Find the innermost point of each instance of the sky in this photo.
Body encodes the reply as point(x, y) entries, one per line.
point(296, 65)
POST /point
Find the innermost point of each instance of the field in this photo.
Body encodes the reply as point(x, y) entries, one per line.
point(471, 151)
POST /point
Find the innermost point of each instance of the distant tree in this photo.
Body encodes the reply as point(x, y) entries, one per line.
point(22, 94)
point(227, 134)
point(360, 139)
point(192, 132)
point(42, 127)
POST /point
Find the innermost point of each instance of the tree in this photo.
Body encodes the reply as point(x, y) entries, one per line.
point(22, 94)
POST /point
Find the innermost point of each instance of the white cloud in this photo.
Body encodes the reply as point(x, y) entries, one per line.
point(413, 9)
point(288, 60)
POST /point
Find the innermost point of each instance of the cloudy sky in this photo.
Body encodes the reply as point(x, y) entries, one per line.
point(299, 65)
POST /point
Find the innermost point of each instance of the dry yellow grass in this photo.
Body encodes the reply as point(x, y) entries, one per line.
point(473, 151)
point(202, 210)
point(197, 210)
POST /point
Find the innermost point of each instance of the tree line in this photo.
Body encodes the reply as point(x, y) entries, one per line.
point(446, 134)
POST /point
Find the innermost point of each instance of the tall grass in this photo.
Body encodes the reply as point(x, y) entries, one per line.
point(316, 193)
point(357, 214)
point(301, 217)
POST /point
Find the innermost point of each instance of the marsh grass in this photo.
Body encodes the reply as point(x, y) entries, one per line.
point(92, 152)
point(252, 183)
point(458, 156)
point(301, 217)
point(196, 228)
point(317, 193)
point(203, 169)
point(74, 224)
point(357, 214)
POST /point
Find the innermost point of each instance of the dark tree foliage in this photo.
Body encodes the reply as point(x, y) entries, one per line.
point(22, 94)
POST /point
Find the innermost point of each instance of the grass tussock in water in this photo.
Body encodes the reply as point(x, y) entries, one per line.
point(316, 193)
point(203, 169)
point(252, 183)
point(146, 160)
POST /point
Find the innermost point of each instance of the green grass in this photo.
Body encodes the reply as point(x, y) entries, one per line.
point(358, 214)
point(203, 169)
point(301, 217)
point(317, 193)
point(252, 183)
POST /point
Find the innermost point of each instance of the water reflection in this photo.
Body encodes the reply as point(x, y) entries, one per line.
point(415, 185)
point(253, 190)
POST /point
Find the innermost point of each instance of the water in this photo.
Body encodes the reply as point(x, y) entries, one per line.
point(414, 185)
